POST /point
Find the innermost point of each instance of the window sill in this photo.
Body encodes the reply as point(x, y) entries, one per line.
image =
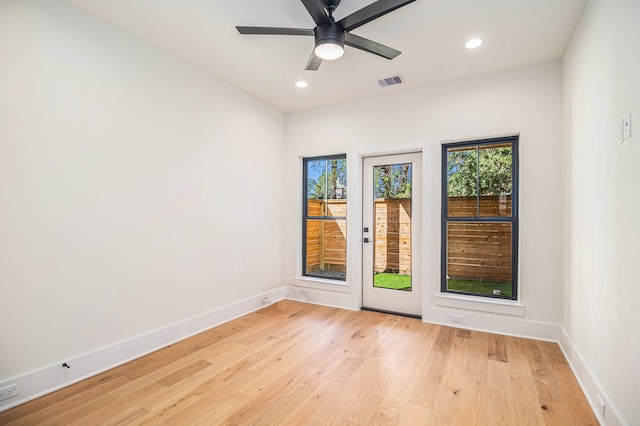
point(495, 306)
point(321, 284)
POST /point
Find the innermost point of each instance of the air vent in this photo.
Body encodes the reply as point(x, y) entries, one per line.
point(390, 81)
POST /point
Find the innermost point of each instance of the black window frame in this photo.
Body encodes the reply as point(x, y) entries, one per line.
point(513, 219)
point(306, 217)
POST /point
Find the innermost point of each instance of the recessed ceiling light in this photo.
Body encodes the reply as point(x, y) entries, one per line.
point(473, 43)
point(301, 84)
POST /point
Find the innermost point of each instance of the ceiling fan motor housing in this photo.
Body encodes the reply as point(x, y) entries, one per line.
point(329, 33)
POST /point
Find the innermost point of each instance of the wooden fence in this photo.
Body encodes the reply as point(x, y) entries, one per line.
point(392, 236)
point(479, 251)
point(476, 251)
point(492, 205)
point(327, 240)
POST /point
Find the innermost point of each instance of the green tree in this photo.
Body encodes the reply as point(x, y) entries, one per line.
point(331, 180)
point(392, 181)
point(485, 168)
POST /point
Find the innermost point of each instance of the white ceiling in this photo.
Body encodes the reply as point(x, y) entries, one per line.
point(430, 34)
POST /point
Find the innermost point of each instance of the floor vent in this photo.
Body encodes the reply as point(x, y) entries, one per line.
point(390, 81)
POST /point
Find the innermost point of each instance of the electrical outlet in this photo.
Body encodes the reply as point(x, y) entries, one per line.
point(601, 406)
point(456, 318)
point(8, 392)
point(265, 300)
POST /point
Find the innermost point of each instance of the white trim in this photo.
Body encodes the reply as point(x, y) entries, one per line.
point(53, 377)
point(493, 323)
point(316, 296)
point(495, 306)
point(321, 284)
point(588, 382)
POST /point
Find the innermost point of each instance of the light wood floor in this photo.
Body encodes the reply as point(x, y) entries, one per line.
point(293, 363)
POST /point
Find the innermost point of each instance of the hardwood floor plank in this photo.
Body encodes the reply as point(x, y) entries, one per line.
point(77, 412)
point(215, 412)
point(417, 353)
point(446, 408)
point(477, 358)
point(86, 395)
point(473, 401)
point(428, 383)
point(456, 358)
point(294, 363)
point(283, 405)
point(497, 348)
point(444, 339)
point(272, 399)
point(572, 395)
point(500, 410)
point(347, 396)
point(381, 378)
point(312, 403)
point(183, 373)
point(344, 369)
point(545, 383)
point(525, 399)
point(396, 399)
point(557, 414)
point(104, 416)
point(64, 398)
point(414, 414)
point(174, 402)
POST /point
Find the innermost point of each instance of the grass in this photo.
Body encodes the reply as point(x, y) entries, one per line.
point(392, 281)
point(403, 282)
point(479, 287)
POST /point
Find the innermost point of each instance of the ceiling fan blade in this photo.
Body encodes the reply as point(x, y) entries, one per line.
point(370, 46)
point(314, 62)
point(275, 31)
point(317, 11)
point(371, 12)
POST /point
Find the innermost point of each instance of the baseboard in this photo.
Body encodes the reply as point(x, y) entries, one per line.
point(321, 297)
point(589, 383)
point(49, 379)
point(507, 325)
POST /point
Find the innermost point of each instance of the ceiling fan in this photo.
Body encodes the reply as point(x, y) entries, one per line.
point(331, 36)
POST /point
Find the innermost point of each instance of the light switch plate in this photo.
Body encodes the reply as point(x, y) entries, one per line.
point(626, 124)
point(620, 136)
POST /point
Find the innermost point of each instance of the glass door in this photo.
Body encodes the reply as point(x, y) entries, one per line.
point(392, 233)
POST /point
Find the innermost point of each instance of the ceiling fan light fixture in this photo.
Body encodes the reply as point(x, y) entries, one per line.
point(329, 41)
point(473, 43)
point(329, 50)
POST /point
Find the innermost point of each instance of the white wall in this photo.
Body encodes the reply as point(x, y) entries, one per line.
point(526, 101)
point(602, 288)
point(136, 191)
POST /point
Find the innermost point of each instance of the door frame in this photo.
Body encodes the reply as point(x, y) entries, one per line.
point(416, 306)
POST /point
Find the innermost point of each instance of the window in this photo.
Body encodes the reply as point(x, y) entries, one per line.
point(324, 224)
point(480, 218)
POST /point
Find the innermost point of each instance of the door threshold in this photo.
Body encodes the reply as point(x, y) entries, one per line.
point(382, 311)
